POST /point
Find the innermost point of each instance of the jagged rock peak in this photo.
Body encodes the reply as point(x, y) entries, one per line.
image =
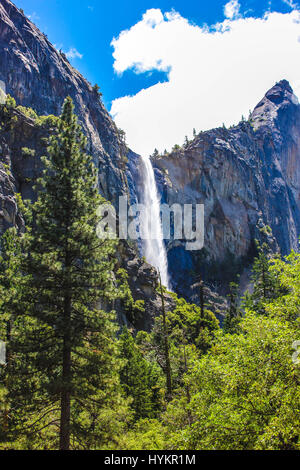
point(279, 98)
point(280, 92)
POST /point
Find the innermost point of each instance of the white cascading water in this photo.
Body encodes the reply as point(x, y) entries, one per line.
point(153, 244)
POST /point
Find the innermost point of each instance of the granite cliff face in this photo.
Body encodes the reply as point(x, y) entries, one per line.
point(248, 178)
point(40, 77)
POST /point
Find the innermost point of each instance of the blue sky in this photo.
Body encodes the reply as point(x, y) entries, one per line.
point(90, 25)
point(165, 74)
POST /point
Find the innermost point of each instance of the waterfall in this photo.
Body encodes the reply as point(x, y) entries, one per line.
point(152, 240)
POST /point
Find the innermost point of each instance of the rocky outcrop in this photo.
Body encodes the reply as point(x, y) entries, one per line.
point(143, 283)
point(248, 178)
point(21, 145)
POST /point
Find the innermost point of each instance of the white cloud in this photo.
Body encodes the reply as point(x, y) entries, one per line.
point(232, 9)
point(73, 54)
point(215, 74)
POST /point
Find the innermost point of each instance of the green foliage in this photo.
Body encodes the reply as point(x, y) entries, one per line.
point(9, 277)
point(26, 152)
point(176, 148)
point(266, 285)
point(286, 272)
point(96, 90)
point(133, 309)
point(146, 434)
point(186, 321)
point(266, 229)
point(189, 333)
point(245, 391)
point(6, 168)
point(155, 153)
point(49, 121)
point(10, 281)
point(10, 102)
point(233, 315)
point(139, 379)
point(29, 112)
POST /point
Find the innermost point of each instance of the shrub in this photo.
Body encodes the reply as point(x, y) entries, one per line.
point(46, 121)
point(26, 152)
point(29, 112)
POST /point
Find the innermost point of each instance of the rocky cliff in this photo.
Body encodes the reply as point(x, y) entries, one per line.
point(248, 178)
point(40, 77)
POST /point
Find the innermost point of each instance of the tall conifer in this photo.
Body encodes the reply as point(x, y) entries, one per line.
point(66, 364)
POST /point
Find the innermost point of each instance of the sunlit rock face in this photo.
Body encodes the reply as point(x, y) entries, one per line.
point(248, 177)
point(40, 77)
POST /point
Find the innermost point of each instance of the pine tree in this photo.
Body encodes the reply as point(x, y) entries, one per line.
point(155, 153)
point(66, 363)
point(265, 283)
point(233, 314)
point(96, 90)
